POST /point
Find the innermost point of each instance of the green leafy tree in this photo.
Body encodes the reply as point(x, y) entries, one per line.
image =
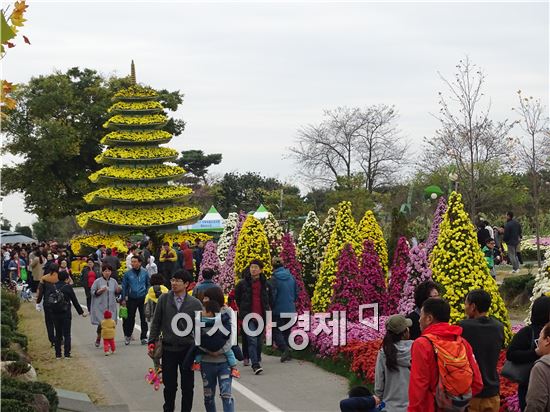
point(196, 163)
point(24, 230)
point(6, 224)
point(56, 127)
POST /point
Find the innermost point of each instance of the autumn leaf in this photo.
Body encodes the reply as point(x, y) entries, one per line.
point(10, 45)
point(17, 19)
point(26, 40)
point(6, 102)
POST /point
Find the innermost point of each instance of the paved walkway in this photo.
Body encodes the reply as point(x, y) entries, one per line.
point(293, 386)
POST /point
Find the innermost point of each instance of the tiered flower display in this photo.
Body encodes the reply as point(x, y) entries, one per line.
point(418, 271)
point(324, 235)
point(227, 277)
point(348, 287)
point(179, 237)
point(345, 231)
point(80, 243)
point(307, 250)
point(374, 290)
point(288, 256)
point(438, 218)
point(398, 275)
point(209, 259)
point(274, 234)
point(369, 229)
point(458, 264)
point(136, 192)
point(542, 282)
point(227, 236)
point(252, 245)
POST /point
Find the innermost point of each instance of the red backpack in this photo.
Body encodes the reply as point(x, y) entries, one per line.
point(455, 375)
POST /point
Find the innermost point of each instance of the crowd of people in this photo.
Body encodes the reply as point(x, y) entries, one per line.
point(427, 364)
point(424, 364)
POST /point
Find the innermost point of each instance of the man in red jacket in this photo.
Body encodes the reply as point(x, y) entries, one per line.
point(434, 320)
point(188, 258)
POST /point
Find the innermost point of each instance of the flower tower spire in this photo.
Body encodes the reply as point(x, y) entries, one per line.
point(133, 72)
point(138, 187)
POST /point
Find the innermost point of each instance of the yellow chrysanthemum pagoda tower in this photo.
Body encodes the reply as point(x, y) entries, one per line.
point(139, 187)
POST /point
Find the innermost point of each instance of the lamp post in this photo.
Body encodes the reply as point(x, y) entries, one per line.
point(453, 177)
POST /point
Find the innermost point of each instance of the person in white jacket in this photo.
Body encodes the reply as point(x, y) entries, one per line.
point(391, 379)
point(151, 267)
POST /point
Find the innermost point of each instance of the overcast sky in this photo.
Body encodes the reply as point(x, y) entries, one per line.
point(253, 73)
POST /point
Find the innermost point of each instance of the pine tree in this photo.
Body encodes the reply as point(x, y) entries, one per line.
point(398, 275)
point(324, 235)
point(210, 260)
point(374, 290)
point(370, 229)
point(227, 235)
point(438, 218)
point(344, 232)
point(136, 193)
point(349, 287)
point(288, 256)
point(252, 244)
point(418, 271)
point(274, 234)
point(459, 265)
point(307, 250)
point(227, 276)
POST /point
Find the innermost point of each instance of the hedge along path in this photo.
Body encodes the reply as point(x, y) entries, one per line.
point(77, 374)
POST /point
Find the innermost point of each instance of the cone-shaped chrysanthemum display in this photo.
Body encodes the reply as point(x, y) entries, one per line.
point(324, 235)
point(542, 283)
point(458, 264)
point(369, 229)
point(227, 277)
point(398, 275)
point(210, 260)
point(138, 190)
point(274, 234)
point(349, 285)
point(374, 290)
point(345, 231)
point(227, 236)
point(307, 249)
point(288, 256)
point(418, 271)
point(252, 245)
point(438, 218)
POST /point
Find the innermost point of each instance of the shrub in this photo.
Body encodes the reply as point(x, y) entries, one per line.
point(7, 331)
point(18, 367)
point(11, 299)
point(21, 340)
point(33, 387)
point(7, 319)
point(10, 355)
point(515, 285)
point(14, 405)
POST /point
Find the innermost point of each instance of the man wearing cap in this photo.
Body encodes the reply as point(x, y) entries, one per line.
point(391, 379)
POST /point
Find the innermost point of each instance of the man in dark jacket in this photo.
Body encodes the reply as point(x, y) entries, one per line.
point(135, 285)
point(112, 261)
point(253, 295)
point(285, 295)
point(512, 237)
point(486, 337)
point(61, 313)
point(207, 283)
point(175, 347)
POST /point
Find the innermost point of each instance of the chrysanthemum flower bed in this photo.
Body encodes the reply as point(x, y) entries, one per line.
point(120, 120)
point(137, 153)
point(137, 137)
point(140, 217)
point(146, 106)
point(135, 92)
point(137, 173)
point(138, 194)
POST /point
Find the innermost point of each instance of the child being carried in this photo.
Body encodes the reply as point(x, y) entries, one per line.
point(216, 341)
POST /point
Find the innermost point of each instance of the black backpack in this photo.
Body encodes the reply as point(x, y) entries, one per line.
point(57, 300)
point(150, 305)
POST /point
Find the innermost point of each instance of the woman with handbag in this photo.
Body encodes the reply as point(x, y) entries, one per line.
point(522, 352)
